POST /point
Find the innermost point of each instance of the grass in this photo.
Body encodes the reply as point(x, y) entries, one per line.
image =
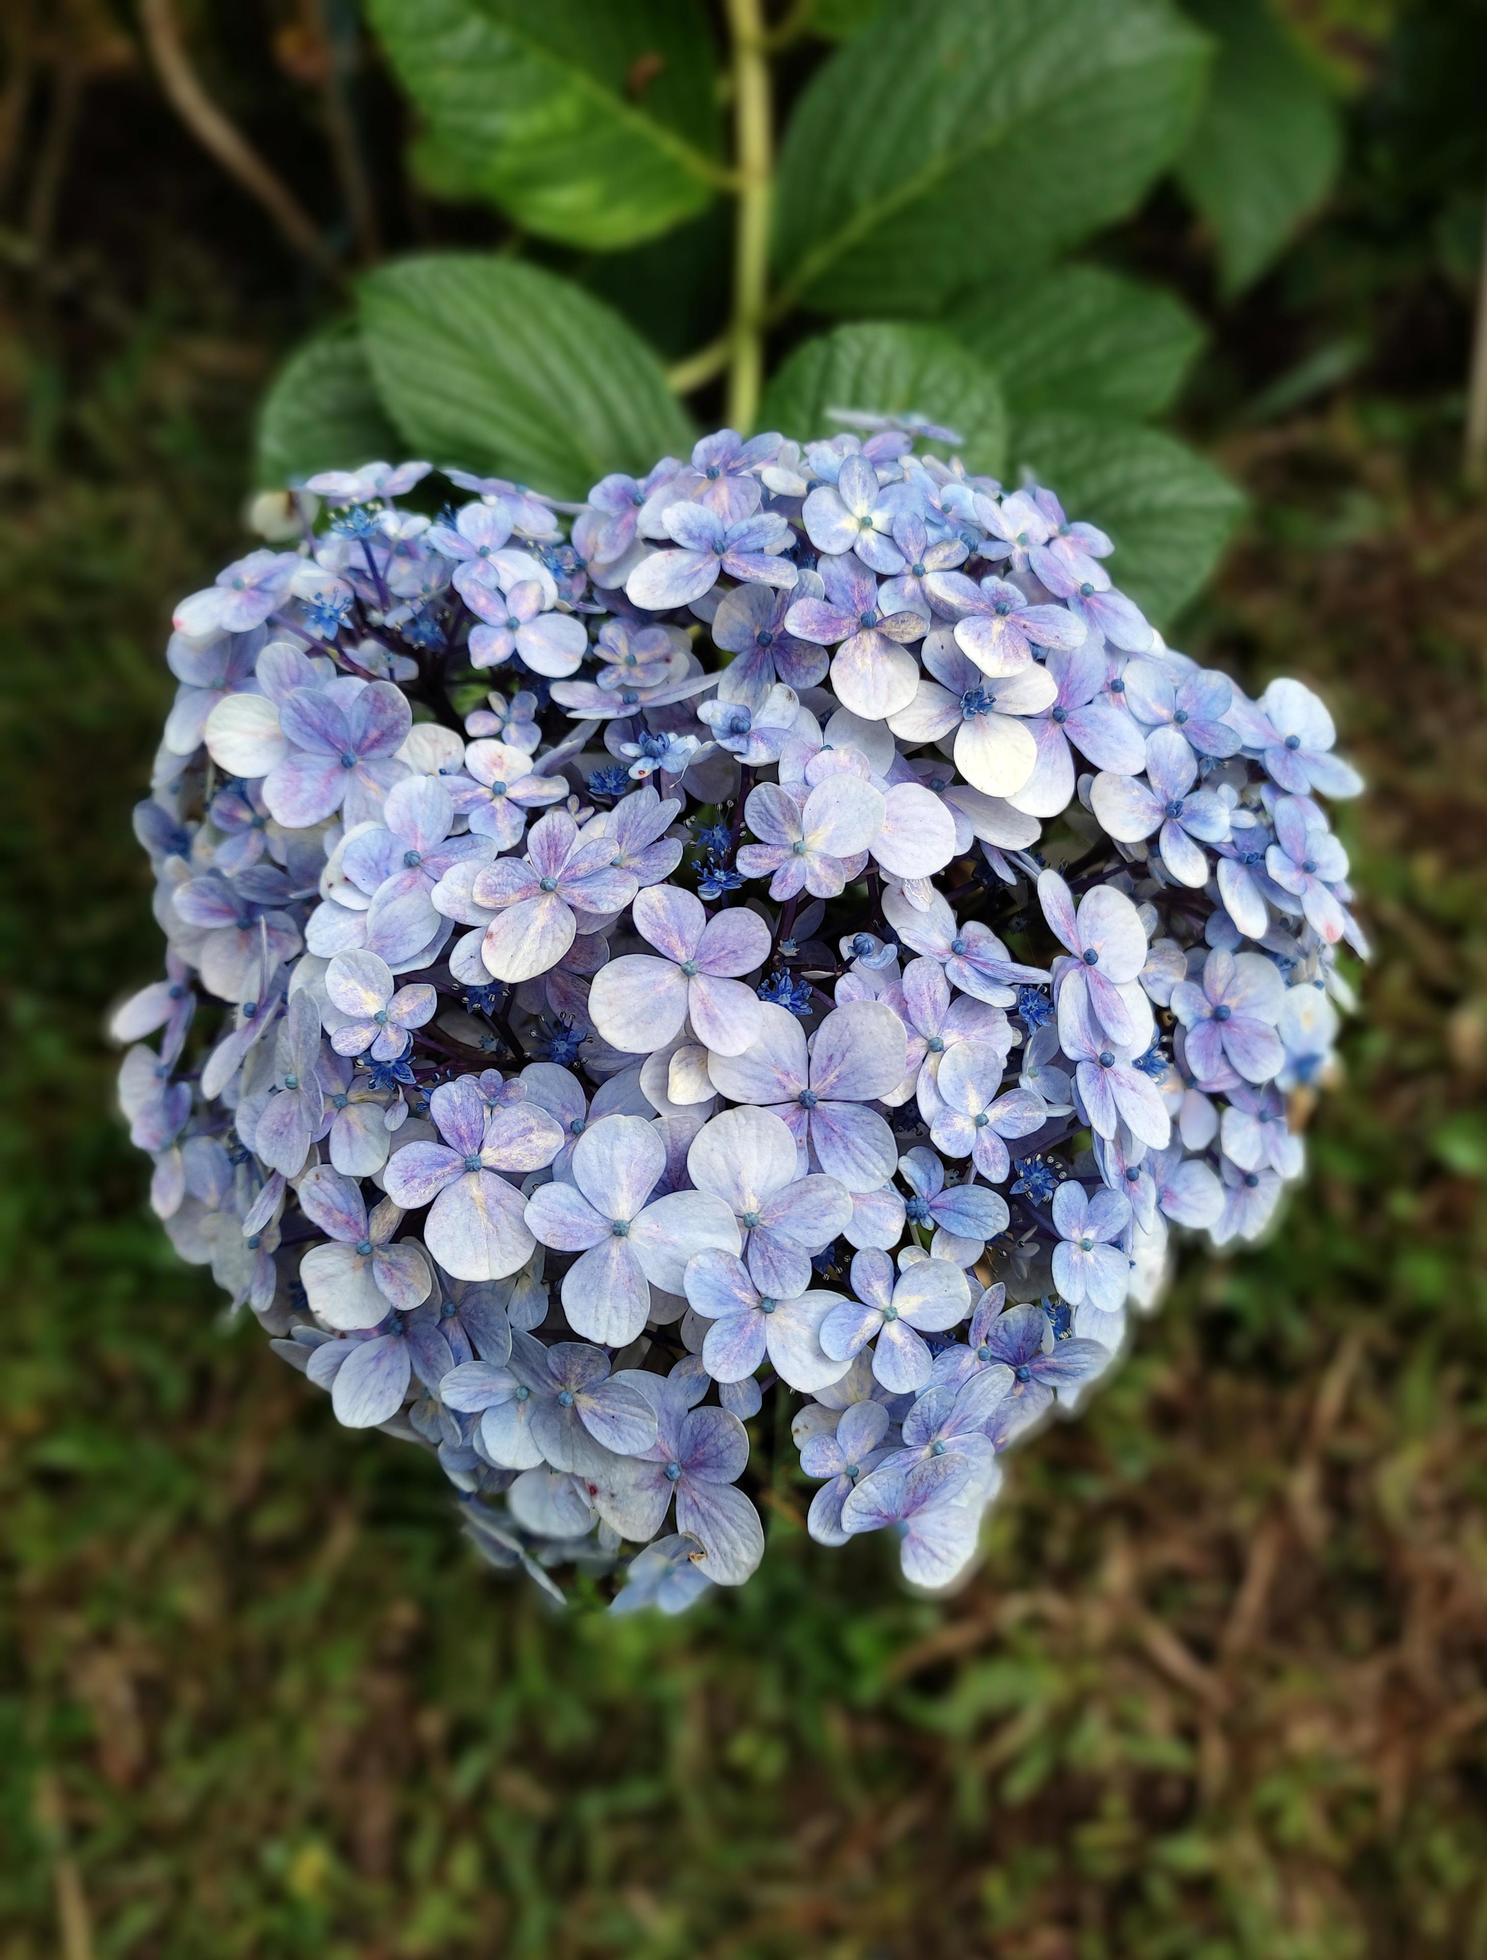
point(1218, 1689)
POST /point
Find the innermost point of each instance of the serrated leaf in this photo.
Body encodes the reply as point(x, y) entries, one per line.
point(839, 20)
point(889, 369)
point(497, 365)
point(952, 132)
point(1081, 339)
point(1168, 511)
point(322, 412)
point(1267, 147)
point(589, 122)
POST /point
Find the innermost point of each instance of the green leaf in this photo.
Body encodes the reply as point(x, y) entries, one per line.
point(839, 20)
point(322, 412)
point(1267, 147)
point(589, 122)
point(1460, 1142)
point(891, 370)
point(497, 365)
point(1168, 511)
point(952, 132)
point(1083, 340)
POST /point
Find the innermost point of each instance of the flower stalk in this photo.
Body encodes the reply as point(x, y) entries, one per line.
point(753, 125)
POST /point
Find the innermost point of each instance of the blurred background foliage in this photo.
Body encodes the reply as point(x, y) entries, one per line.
point(1220, 1688)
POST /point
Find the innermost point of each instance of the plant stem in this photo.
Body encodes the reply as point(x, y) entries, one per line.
point(695, 370)
point(754, 136)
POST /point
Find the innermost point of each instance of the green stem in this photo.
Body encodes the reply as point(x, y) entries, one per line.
point(694, 370)
point(790, 29)
point(754, 138)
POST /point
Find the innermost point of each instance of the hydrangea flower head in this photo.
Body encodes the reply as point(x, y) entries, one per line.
point(839, 952)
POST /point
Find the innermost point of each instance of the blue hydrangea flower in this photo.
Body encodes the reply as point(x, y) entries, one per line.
point(1014, 935)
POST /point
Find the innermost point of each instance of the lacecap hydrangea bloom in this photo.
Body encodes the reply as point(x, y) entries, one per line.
point(786, 928)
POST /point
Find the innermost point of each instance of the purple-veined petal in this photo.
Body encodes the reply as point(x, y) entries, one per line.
point(670, 1232)
point(638, 1003)
point(475, 1228)
point(917, 835)
point(995, 753)
point(617, 1163)
point(605, 1294)
point(562, 1217)
point(859, 1053)
point(774, 1070)
point(733, 1346)
point(726, 1525)
point(372, 1382)
point(733, 943)
point(403, 1275)
point(726, 1014)
point(853, 1145)
point(528, 938)
point(340, 1288)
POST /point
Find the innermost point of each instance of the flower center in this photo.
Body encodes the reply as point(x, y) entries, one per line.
point(807, 1099)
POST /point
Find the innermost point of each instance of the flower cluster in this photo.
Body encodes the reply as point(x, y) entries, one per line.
point(840, 945)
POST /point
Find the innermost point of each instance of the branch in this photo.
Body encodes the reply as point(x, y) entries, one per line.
point(223, 140)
